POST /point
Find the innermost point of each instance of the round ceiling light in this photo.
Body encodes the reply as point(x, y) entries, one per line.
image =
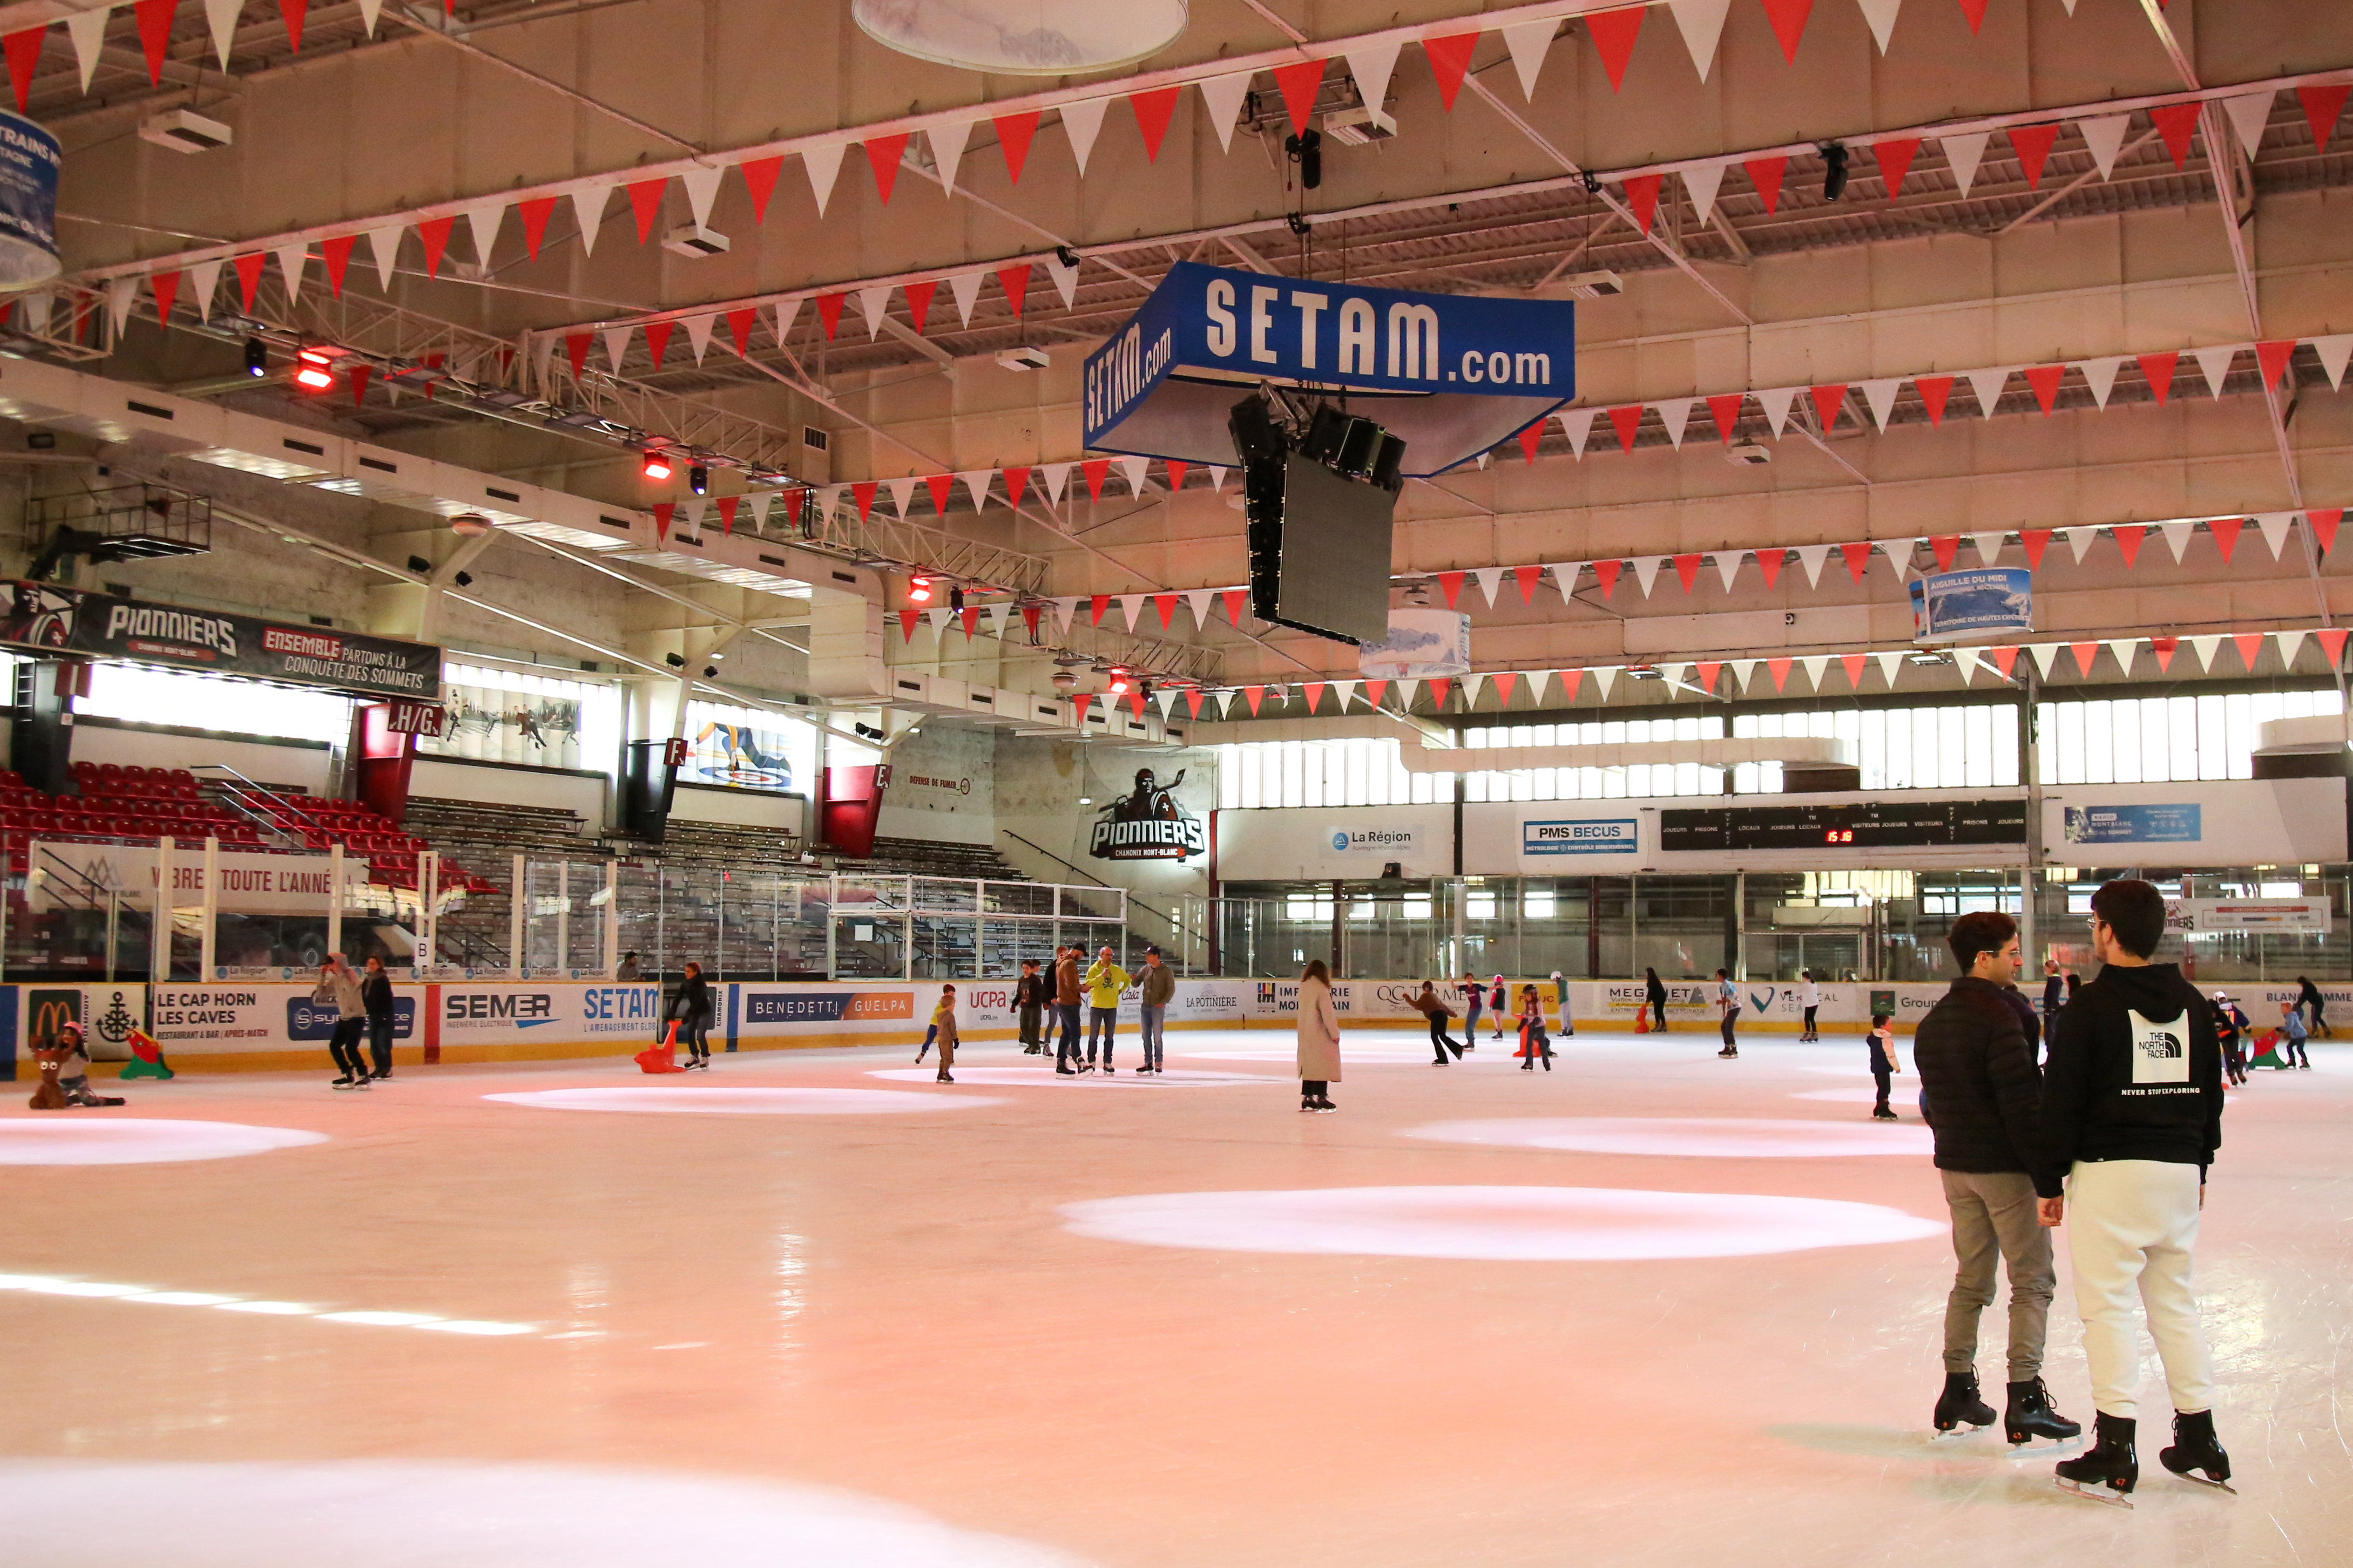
point(1024, 38)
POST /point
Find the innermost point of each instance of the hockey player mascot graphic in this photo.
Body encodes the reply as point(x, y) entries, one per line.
point(1146, 824)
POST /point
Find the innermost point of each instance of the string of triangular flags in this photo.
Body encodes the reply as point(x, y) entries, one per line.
point(86, 30)
point(1824, 674)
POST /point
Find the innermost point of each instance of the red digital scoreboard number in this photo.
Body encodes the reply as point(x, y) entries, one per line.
point(1838, 835)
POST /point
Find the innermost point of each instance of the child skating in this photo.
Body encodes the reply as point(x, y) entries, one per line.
point(932, 1035)
point(1533, 1040)
point(943, 1030)
point(1884, 1064)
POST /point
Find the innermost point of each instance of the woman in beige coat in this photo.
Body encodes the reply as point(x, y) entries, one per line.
point(1319, 1038)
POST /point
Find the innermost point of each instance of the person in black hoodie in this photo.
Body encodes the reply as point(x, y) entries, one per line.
point(1976, 1068)
point(2131, 1117)
point(375, 995)
point(694, 1016)
point(1032, 994)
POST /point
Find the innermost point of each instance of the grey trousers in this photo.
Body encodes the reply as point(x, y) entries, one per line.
point(1993, 1213)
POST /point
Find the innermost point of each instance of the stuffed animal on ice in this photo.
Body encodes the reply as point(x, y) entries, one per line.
point(50, 1096)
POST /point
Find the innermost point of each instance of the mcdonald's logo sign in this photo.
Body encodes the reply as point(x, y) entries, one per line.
point(46, 1013)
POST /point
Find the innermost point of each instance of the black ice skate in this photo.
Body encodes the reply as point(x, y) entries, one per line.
point(2109, 1472)
point(1960, 1405)
point(2194, 1448)
point(2030, 1417)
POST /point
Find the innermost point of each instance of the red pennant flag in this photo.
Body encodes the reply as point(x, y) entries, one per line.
point(1451, 583)
point(1237, 601)
point(1528, 576)
point(2044, 379)
point(1016, 481)
point(657, 335)
point(1096, 469)
point(1726, 407)
point(1780, 669)
point(1945, 545)
point(1079, 703)
point(2004, 660)
point(1709, 669)
point(829, 312)
point(155, 19)
point(1570, 679)
point(884, 152)
point(1440, 688)
point(2273, 359)
point(2033, 145)
point(1688, 568)
point(2332, 643)
point(2164, 647)
point(1853, 662)
point(24, 51)
point(907, 622)
point(360, 373)
point(1014, 132)
point(248, 278)
point(1450, 57)
point(2225, 531)
point(645, 201)
point(2175, 122)
point(534, 223)
point(1975, 11)
point(575, 345)
point(1530, 435)
point(1167, 604)
point(918, 301)
point(2128, 537)
point(1153, 109)
point(1101, 602)
point(1505, 680)
point(1193, 701)
point(938, 485)
point(1176, 468)
point(727, 505)
point(166, 286)
point(1135, 701)
point(740, 323)
point(2251, 648)
point(1613, 38)
point(1314, 690)
point(1625, 421)
point(1255, 694)
point(1771, 561)
point(1642, 195)
point(2158, 371)
point(1934, 391)
point(1605, 574)
point(760, 179)
point(2324, 527)
point(1766, 174)
point(2322, 105)
point(1299, 82)
point(2085, 653)
point(1788, 19)
point(292, 12)
point(1858, 556)
point(1895, 157)
point(864, 492)
point(1029, 614)
point(1828, 401)
point(663, 511)
point(970, 616)
point(1015, 281)
point(2036, 540)
point(435, 233)
point(1375, 690)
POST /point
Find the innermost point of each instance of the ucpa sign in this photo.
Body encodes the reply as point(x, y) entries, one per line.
point(1469, 372)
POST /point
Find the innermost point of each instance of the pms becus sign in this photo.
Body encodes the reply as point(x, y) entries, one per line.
point(1147, 824)
point(1449, 374)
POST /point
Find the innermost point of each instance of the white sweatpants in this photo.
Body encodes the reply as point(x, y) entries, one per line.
point(2133, 1223)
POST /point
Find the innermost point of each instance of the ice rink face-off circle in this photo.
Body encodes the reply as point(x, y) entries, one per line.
point(1722, 1138)
point(683, 1102)
point(73, 1139)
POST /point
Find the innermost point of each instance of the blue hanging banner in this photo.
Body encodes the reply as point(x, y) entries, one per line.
point(28, 203)
point(1451, 376)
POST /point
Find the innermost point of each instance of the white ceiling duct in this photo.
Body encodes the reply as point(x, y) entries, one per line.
point(1024, 38)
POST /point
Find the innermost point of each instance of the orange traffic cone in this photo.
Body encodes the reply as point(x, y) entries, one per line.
point(664, 1057)
point(1642, 1022)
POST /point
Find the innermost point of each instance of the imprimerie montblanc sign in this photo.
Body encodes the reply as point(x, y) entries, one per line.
point(47, 618)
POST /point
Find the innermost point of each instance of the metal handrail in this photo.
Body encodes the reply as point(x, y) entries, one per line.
point(1166, 919)
point(233, 796)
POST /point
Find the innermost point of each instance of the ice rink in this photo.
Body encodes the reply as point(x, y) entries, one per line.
point(1652, 1308)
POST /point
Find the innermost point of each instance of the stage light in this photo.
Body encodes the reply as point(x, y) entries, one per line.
point(698, 480)
point(955, 600)
point(311, 371)
point(1833, 171)
point(657, 467)
point(256, 357)
point(1306, 149)
point(919, 590)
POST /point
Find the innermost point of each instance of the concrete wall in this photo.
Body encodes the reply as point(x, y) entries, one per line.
point(299, 764)
point(741, 808)
point(1039, 784)
point(449, 778)
point(943, 786)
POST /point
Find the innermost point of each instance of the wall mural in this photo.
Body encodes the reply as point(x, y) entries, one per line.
point(489, 725)
point(1146, 824)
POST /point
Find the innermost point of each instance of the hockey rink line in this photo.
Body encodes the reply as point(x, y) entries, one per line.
point(91, 1289)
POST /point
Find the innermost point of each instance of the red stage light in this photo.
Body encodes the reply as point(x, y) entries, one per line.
point(657, 466)
point(311, 371)
point(920, 590)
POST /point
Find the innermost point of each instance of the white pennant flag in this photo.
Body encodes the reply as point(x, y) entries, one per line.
point(702, 183)
point(2204, 648)
point(1700, 23)
point(1966, 660)
point(999, 618)
point(787, 312)
point(1198, 600)
point(1472, 684)
point(1080, 123)
point(2079, 540)
point(369, 11)
point(1989, 546)
point(2334, 351)
point(1529, 42)
point(1490, 579)
point(2102, 375)
point(2177, 536)
point(1063, 609)
point(938, 618)
point(1538, 680)
point(948, 149)
point(1811, 557)
point(385, 245)
point(1603, 678)
point(1962, 154)
point(2105, 137)
point(1576, 424)
point(1901, 553)
point(1066, 281)
point(966, 287)
point(1131, 607)
point(1675, 674)
point(2123, 648)
point(1646, 570)
point(88, 30)
point(1372, 67)
point(2216, 364)
point(976, 484)
point(1744, 671)
point(1881, 396)
point(1815, 664)
point(204, 280)
point(617, 345)
point(2275, 525)
point(121, 293)
point(1676, 412)
point(1727, 565)
point(588, 212)
point(871, 304)
point(1891, 665)
point(902, 495)
point(290, 258)
point(760, 501)
point(1131, 468)
point(698, 333)
point(1701, 180)
point(2289, 642)
point(1057, 479)
point(1565, 579)
point(482, 224)
point(1222, 97)
point(2045, 654)
point(2250, 113)
point(1774, 401)
point(1880, 15)
point(827, 500)
point(824, 167)
point(1345, 691)
point(1216, 478)
point(221, 16)
point(1167, 698)
point(691, 513)
point(1988, 385)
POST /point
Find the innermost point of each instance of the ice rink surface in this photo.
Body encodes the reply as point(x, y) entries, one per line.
point(1652, 1308)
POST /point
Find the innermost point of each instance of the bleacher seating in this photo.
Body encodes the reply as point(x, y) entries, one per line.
point(929, 858)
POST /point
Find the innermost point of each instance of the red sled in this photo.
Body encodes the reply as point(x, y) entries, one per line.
point(664, 1057)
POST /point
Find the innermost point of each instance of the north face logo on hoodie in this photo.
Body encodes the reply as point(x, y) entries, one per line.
point(2159, 1055)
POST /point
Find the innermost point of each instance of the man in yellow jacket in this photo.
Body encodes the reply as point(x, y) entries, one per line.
point(1105, 981)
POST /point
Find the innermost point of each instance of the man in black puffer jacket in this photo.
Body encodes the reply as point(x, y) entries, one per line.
point(1982, 1089)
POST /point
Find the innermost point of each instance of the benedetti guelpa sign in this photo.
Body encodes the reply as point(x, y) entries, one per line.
point(1147, 824)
